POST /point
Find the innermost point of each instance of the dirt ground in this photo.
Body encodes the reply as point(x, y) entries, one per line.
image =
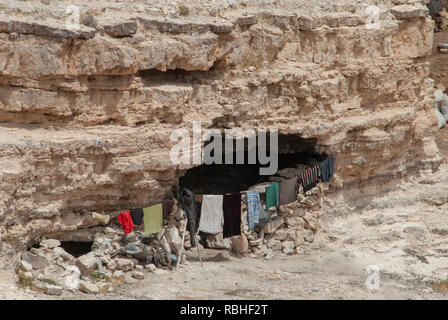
point(323, 275)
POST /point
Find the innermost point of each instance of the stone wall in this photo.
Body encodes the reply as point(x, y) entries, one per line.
point(86, 114)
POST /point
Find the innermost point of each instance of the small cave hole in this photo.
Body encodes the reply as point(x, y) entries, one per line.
point(76, 248)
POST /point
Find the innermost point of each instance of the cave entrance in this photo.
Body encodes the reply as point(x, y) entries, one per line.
point(294, 154)
point(76, 248)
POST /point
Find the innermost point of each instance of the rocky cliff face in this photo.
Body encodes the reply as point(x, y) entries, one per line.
point(86, 114)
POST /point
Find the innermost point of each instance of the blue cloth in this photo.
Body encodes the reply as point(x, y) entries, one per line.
point(326, 169)
point(253, 205)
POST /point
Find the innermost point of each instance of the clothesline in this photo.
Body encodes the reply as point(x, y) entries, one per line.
point(303, 176)
point(222, 212)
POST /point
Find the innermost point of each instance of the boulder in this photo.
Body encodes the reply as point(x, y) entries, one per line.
point(60, 252)
point(72, 280)
point(308, 236)
point(53, 290)
point(261, 252)
point(151, 268)
point(25, 275)
point(288, 247)
point(138, 275)
point(118, 274)
point(275, 245)
point(256, 243)
point(124, 264)
point(50, 243)
point(103, 245)
point(88, 287)
point(299, 212)
point(24, 266)
point(174, 240)
point(273, 225)
point(216, 241)
point(139, 267)
point(36, 261)
point(87, 263)
point(49, 289)
point(112, 265)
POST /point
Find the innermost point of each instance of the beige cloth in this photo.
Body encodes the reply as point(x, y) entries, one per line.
point(152, 219)
point(212, 214)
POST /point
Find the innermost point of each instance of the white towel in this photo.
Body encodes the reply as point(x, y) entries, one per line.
point(212, 214)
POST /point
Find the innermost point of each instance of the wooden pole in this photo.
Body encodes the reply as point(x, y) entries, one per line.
point(183, 241)
point(197, 246)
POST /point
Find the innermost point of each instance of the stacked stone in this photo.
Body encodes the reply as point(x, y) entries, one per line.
point(290, 230)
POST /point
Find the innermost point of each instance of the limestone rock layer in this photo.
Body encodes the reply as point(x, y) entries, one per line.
point(86, 114)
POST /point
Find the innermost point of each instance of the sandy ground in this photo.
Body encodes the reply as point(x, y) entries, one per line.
point(323, 275)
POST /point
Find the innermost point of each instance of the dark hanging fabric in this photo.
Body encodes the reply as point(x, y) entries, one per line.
point(327, 169)
point(203, 238)
point(309, 177)
point(309, 187)
point(137, 216)
point(288, 191)
point(187, 199)
point(232, 215)
point(167, 207)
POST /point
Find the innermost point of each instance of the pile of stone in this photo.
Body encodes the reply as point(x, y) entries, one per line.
point(114, 259)
point(290, 229)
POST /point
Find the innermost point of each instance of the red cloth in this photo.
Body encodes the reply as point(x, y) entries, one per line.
point(125, 220)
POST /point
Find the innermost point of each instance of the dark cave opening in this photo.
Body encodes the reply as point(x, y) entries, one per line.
point(293, 152)
point(76, 248)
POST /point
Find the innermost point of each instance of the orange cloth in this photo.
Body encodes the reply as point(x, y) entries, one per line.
point(125, 220)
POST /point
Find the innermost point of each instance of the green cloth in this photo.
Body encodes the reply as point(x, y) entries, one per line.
point(152, 218)
point(272, 193)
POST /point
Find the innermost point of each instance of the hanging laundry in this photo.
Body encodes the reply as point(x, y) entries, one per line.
point(167, 205)
point(137, 216)
point(126, 221)
point(327, 169)
point(203, 238)
point(272, 195)
point(288, 191)
point(152, 217)
point(187, 199)
point(212, 216)
point(309, 177)
point(232, 215)
point(253, 205)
